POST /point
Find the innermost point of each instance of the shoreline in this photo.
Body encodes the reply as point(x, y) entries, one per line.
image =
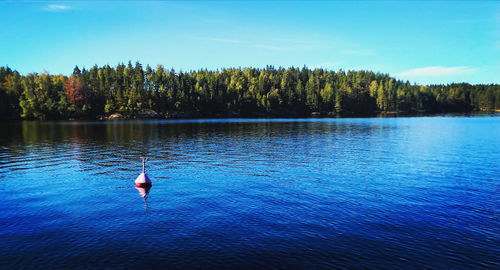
point(270, 117)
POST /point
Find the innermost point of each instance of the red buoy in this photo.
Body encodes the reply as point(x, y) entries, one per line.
point(143, 180)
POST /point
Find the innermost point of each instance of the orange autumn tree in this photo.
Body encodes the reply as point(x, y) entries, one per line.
point(74, 91)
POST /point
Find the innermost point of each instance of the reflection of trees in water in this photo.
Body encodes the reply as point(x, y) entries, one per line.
point(108, 143)
point(144, 132)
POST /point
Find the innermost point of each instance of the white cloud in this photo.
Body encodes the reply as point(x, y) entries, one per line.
point(273, 45)
point(224, 40)
point(327, 65)
point(55, 8)
point(358, 52)
point(436, 71)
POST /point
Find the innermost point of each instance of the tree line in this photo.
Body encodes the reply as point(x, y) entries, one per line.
point(132, 90)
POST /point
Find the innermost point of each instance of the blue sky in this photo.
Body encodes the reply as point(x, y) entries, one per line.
point(420, 41)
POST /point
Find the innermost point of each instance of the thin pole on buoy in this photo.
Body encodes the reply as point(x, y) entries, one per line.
point(144, 159)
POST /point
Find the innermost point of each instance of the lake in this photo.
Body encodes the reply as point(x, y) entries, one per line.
point(387, 193)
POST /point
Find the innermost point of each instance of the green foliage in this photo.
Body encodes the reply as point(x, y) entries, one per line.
point(133, 89)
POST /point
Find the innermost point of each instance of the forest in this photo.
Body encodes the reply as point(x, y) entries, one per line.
point(135, 91)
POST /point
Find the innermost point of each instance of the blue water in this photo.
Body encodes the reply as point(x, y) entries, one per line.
point(386, 193)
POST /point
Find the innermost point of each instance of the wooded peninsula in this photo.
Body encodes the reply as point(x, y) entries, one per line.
point(133, 91)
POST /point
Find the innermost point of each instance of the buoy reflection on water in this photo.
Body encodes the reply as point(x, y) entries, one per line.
point(143, 191)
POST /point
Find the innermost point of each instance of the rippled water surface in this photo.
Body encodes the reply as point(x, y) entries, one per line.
point(284, 193)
